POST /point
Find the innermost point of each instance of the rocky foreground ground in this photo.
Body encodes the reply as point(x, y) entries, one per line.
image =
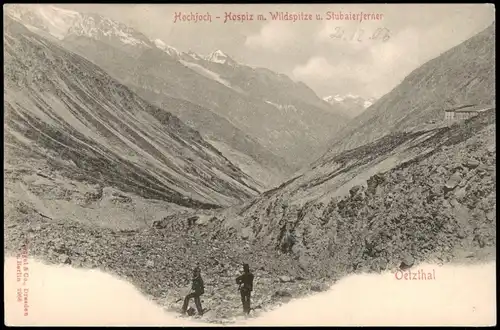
point(160, 262)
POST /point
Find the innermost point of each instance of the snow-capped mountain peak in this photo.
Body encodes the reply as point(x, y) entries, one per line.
point(166, 48)
point(341, 98)
point(332, 99)
point(54, 20)
point(368, 103)
point(351, 98)
point(98, 27)
point(160, 44)
point(62, 23)
point(219, 56)
point(194, 55)
point(352, 104)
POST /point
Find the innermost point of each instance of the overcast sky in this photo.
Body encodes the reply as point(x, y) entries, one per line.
point(304, 50)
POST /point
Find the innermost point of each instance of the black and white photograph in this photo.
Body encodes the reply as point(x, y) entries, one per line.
point(249, 164)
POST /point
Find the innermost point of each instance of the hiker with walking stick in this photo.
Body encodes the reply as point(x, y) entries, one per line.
point(245, 286)
point(197, 289)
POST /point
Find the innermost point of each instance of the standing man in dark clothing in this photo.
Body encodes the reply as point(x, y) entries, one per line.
point(197, 289)
point(245, 282)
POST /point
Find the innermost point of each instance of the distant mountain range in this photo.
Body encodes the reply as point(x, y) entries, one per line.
point(351, 105)
point(235, 98)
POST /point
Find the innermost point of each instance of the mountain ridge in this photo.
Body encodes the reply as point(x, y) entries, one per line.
point(111, 132)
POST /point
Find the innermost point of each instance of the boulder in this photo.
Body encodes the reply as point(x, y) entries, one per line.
point(23, 208)
point(461, 233)
point(373, 182)
point(379, 191)
point(441, 170)
point(192, 220)
point(483, 168)
point(460, 193)
point(159, 224)
point(203, 220)
point(355, 190)
point(77, 263)
point(453, 182)
point(407, 262)
point(35, 228)
point(246, 233)
point(59, 247)
point(64, 259)
point(472, 163)
point(304, 262)
point(285, 279)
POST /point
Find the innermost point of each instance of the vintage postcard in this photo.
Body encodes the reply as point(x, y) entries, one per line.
point(244, 164)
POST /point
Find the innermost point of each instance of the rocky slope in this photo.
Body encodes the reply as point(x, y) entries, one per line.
point(160, 87)
point(419, 196)
point(62, 108)
point(463, 75)
point(241, 149)
point(297, 122)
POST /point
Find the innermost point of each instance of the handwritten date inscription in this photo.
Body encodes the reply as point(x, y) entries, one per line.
point(382, 34)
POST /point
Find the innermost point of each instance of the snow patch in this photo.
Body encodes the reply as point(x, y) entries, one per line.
point(349, 99)
point(59, 21)
point(166, 48)
point(209, 74)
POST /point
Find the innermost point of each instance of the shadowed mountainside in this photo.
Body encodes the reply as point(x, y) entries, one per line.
point(300, 130)
point(62, 107)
